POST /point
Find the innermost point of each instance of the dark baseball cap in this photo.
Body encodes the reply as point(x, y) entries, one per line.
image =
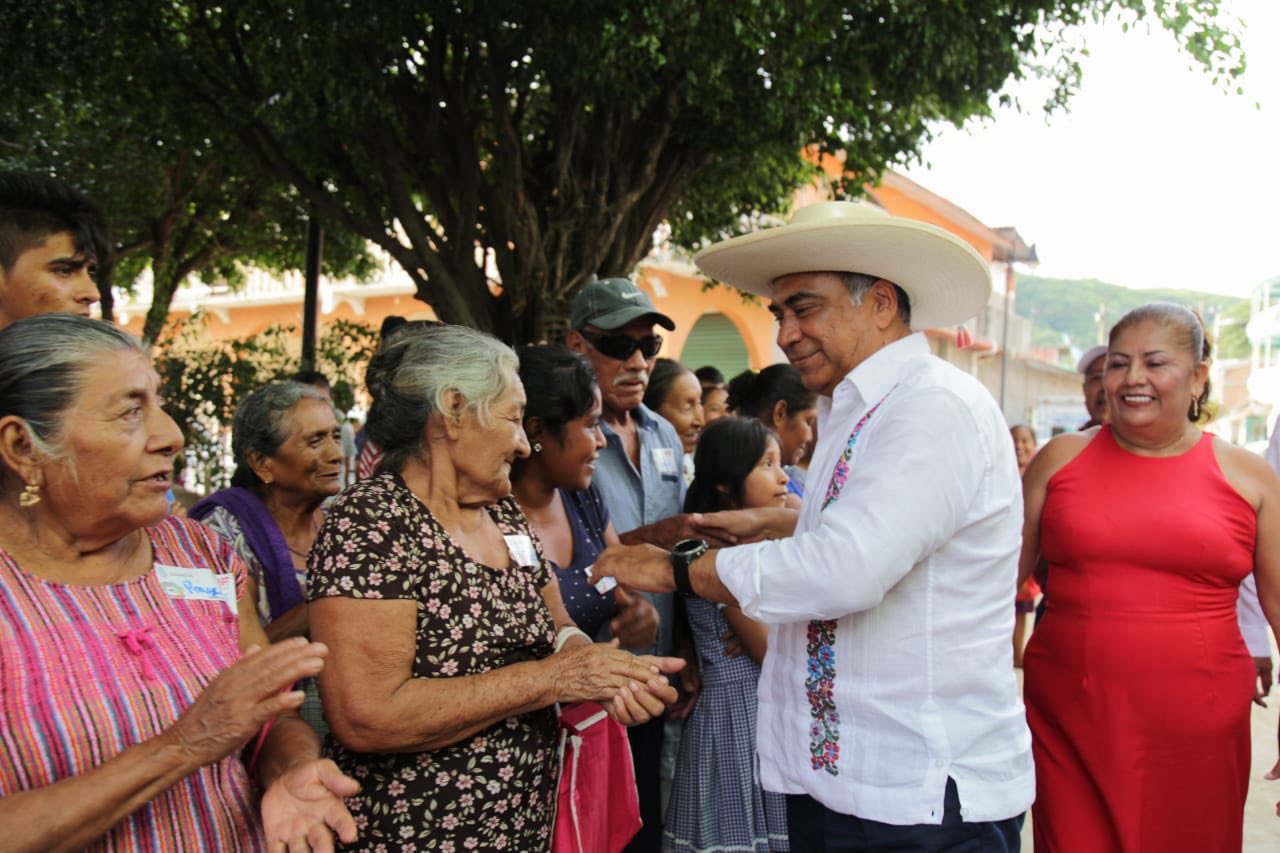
point(611, 303)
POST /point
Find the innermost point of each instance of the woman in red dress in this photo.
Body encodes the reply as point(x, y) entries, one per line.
point(1138, 684)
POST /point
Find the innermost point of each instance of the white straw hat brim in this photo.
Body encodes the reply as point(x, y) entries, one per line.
point(947, 281)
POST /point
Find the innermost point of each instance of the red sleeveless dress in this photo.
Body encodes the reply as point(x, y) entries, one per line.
point(1137, 682)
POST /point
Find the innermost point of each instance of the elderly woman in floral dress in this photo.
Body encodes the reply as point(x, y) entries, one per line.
point(450, 642)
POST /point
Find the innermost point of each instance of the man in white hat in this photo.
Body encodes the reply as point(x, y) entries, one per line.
point(889, 712)
point(1092, 366)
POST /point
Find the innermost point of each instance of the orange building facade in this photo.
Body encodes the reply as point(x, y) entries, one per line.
point(714, 324)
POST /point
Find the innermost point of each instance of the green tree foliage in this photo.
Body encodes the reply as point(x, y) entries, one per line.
point(1232, 340)
point(180, 195)
point(1080, 312)
point(203, 382)
point(536, 144)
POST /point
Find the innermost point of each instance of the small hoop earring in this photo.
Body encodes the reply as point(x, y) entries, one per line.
point(30, 496)
point(537, 447)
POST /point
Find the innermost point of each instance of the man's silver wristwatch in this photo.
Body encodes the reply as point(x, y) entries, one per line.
point(682, 557)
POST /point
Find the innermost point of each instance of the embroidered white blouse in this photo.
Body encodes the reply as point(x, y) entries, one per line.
point(890, 611)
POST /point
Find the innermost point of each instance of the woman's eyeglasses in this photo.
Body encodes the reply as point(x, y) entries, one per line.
point(621, 347)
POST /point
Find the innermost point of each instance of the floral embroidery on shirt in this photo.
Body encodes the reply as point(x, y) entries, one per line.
point(820, 677)
point(840, 475)
point(819, 685)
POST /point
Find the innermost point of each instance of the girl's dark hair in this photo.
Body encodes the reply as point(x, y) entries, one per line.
point(1191, 336)
point(727, 451)
point(755, 394)
point(665, 372)
point(559, 384)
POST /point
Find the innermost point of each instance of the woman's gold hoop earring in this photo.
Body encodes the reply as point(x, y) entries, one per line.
point(30, 496)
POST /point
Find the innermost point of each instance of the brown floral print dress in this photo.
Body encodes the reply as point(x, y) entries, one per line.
point(496, 789)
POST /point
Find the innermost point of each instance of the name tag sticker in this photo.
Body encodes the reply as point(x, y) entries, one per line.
point(521, 549)
point(604, 584)
point(665, 459)
point(197, 584)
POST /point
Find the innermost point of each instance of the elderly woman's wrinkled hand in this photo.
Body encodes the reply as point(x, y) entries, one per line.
point(243, 697)
point(633, 687)
point(303, 808)
point(640, 702)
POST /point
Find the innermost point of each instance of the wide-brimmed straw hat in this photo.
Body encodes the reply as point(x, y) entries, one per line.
point(947, 281)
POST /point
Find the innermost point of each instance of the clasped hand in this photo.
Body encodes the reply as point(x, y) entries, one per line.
point(632, 688)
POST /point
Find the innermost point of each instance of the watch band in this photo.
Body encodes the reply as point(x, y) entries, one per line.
point(682, 557)
point(680, 573)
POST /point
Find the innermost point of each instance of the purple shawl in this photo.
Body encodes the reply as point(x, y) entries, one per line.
point(265, 540)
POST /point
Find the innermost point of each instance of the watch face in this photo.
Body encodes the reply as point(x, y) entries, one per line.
point(688, 546)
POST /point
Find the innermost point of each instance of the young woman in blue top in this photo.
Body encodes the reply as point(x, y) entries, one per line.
point(716, 804)
point(553, 487)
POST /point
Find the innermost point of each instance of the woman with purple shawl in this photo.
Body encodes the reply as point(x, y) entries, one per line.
point(288, 451)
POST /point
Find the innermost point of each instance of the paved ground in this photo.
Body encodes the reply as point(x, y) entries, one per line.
point(1261, 826)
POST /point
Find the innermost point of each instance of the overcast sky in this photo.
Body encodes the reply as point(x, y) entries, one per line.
point(1155, 178)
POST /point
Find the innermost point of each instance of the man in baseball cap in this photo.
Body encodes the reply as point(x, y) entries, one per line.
point(639, 475)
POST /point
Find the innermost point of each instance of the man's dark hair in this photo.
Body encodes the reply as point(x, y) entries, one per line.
point(858, 284)
point(35, 207)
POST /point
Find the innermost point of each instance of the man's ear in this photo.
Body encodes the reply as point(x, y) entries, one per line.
point(885, 300)
point(18, 452)
point(574, 340)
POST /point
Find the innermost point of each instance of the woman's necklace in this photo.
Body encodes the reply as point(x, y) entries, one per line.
point(315, 528)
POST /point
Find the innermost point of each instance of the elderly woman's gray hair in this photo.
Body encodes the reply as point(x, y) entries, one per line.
point(259, 425)
point(412, 377)
point(43, 360)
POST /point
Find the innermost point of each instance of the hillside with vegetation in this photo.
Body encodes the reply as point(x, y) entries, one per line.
point(1077, 313)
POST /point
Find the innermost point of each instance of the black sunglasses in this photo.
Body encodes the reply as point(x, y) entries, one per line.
point(622, 346)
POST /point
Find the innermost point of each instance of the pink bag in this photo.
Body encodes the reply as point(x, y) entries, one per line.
point(598, 810)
